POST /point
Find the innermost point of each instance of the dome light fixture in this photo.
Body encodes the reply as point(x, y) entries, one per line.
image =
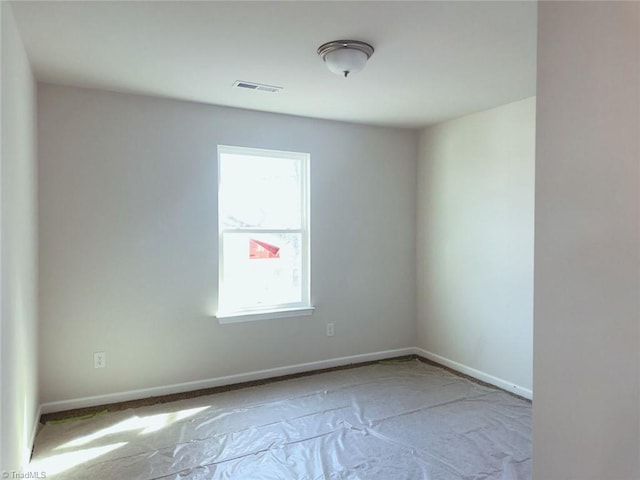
point(345, 56)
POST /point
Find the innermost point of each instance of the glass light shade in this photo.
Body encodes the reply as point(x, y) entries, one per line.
point(344, 61)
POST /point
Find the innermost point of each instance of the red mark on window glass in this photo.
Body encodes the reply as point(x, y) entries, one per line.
point(258, 249)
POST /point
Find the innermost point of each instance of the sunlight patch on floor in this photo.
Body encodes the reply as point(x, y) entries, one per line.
point(55, 464)
point(146, 425)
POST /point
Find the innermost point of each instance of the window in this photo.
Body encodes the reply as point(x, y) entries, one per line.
point(263, 230)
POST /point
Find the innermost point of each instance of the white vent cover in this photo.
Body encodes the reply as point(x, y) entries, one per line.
point(258, 87)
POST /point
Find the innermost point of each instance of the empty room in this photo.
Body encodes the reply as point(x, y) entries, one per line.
point(320, 240)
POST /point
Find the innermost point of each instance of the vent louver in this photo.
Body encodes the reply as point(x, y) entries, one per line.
point(258, 87)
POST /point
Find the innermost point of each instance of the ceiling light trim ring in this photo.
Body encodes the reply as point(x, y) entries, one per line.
point(329, 47)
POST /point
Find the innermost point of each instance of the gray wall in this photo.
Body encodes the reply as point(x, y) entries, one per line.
point(18, 333)
point(128, 241)
point(475, 241)
point(586, 418)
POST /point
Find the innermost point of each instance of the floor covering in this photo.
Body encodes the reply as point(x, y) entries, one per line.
point(391, 420)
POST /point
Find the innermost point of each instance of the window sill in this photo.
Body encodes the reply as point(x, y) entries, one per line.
point(238, 317)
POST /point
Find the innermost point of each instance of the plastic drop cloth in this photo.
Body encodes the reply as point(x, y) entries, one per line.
point(385, 421)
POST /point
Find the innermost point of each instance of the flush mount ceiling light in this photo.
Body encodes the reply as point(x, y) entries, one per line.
point(345, 56)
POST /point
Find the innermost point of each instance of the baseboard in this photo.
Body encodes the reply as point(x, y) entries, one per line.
point(84, 402)
point(96, 400)
point(472, 372)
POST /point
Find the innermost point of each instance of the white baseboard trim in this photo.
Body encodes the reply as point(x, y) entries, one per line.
point(96, 400)
point(472, 372)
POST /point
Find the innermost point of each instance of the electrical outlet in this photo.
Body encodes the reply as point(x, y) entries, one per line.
point(330, 331)
point(99, 360)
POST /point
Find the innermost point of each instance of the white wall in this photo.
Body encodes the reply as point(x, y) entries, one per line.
point(475, 242)
point(586, 417)
point(18, 345)
point(128, 241)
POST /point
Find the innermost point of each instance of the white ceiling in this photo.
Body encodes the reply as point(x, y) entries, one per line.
point(433, 60)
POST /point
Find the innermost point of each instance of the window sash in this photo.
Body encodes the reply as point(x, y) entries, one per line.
point(303, 231)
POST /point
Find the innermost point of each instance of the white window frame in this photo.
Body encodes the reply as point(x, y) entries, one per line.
point(295, 309)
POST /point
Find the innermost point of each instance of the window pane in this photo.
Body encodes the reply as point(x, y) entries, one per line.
point(260, 192)
point(262, 269)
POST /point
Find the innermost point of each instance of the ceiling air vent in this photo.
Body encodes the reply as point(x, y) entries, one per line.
point(258, 87)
